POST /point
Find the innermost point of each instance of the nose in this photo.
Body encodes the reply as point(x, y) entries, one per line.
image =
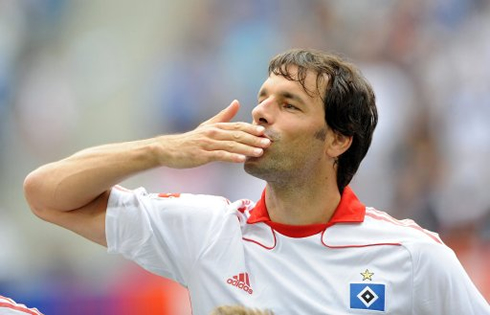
point(262, 114)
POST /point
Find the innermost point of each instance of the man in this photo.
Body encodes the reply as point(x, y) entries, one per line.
point(308, 246)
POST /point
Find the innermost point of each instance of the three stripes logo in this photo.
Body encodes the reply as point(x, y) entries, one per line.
point(241, 281)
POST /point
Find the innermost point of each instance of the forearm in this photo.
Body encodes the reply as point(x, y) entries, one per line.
point(74, 182)
point(74, 192)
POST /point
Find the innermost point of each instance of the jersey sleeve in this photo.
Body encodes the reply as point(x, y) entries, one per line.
point(10, 307)
point(164, 234)
point(441, 285)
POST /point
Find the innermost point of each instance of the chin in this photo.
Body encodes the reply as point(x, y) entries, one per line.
point(254, 167)
point(251, 166)
point(249, 163)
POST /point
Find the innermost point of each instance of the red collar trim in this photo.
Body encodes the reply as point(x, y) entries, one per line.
point(349, 210)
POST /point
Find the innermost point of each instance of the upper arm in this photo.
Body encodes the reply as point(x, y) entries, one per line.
point(442, 284)
point(165, 235)
point(63, 194)
point(87, 221)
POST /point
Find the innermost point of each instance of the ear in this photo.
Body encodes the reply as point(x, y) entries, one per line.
point(337, 143)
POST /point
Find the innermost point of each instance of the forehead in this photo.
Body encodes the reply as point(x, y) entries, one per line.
point(305, 82)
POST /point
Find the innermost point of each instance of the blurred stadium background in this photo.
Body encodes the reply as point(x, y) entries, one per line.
point(75, 74)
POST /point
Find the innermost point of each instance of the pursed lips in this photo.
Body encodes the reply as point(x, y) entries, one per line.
point(271, 135)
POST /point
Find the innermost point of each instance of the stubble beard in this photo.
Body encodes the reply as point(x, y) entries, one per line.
point(273, 167)
point(279, 165)
point(259, 167)
point(265, 166)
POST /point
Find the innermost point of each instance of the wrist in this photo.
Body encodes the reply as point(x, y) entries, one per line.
point(162, 150)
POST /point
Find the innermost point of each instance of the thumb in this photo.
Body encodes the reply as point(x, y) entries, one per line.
point(226, 114)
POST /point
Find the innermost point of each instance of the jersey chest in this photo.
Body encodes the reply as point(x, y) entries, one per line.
point(303, 276)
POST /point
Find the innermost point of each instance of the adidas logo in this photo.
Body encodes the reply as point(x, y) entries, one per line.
point(241, 281)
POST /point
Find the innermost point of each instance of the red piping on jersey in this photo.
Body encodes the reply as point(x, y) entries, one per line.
point(7, 299)
point(349, 210)
point(260, 244)
point(358, 246)
point(19, 308)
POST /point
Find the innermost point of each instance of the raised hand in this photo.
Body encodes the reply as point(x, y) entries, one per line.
point(217, 139)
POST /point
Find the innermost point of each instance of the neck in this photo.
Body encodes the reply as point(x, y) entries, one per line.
point(310, 202)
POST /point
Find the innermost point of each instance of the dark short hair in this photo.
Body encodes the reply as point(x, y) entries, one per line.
point(349, 101)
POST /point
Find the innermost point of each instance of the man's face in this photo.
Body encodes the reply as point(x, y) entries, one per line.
point(295, 123)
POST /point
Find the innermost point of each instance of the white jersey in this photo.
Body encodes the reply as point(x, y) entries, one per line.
point(10, 307)
point(361, 262)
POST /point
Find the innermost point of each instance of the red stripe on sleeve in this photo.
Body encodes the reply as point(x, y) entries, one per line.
point(19, 308)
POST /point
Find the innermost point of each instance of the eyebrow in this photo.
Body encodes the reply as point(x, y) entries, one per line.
point(285, 94)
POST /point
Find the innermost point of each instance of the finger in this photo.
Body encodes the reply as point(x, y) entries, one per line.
point(244, 137)
point(231, 132)
point(255, 130)
point(225, 156)
point(235, 148)
point(226, 115)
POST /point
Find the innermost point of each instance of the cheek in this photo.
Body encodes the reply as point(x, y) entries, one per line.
point(302, 145)
point(310, 136)
point(321, 134)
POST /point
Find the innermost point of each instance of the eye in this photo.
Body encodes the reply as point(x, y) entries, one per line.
point(290, 106)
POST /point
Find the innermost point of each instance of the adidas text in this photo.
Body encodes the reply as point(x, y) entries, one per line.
point(240, 284)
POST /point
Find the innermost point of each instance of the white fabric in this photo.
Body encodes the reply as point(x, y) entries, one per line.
point(205, 243)
point(10, 307)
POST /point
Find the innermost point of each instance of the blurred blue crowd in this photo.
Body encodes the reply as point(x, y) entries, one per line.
point(80, 73)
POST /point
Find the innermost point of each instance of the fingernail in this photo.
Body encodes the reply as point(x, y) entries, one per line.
point(265, 141)
point(258, 151)
point(260, 128)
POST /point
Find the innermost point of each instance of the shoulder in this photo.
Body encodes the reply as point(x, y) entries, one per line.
point(140, 196)
point(10, 307)
point(379, 228)
point(176, 203)
point(400, 231)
